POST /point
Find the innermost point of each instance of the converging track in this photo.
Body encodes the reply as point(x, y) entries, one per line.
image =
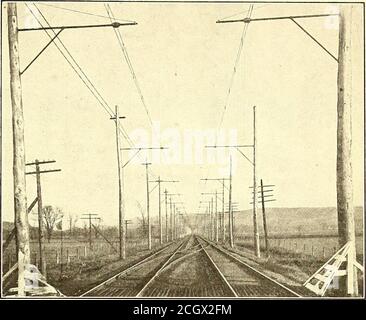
point(191, 267)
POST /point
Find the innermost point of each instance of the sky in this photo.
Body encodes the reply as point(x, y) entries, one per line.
point(183, 62)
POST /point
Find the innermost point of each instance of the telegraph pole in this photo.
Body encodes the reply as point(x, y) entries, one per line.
point(345, 207)
point(212, 219)
point(255, 204)
point(146, 164)
point(223, 212)
point(166, 216)
point(160, 218)
point(171, 213)
point(174, 222)
point(159, 181)
point(211, 212)
point(90, 217)
point(263, 199)
point(20, 195)
point(230, 213)
point(38, 172)
point(216, 220)
point(171, 220)
point(222, 180)
point(253, 163)
point(121, 214)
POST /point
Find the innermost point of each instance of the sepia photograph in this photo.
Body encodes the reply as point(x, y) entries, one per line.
point(182, 150)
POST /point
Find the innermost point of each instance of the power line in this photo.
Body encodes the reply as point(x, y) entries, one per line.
point(128, 60)
point(83, 12)
point(241, 44)
point(89, 85)
point(238, 55)
point(129, 64)
point(246, 11)
point(69, 62)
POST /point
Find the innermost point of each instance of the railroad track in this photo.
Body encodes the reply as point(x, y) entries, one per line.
point(193, 267)
point(132, 281)
point(243, 279)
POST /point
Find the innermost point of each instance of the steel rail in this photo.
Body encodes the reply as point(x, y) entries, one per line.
point(253, 269)
point(160, 269)
point(144, 260)
point(219, 272)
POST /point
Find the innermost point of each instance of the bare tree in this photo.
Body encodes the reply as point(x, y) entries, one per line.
point(73, 218)
point(143, 218)
point(51, 216)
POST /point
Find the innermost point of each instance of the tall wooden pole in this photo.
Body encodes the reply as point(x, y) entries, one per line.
point(255, 204)
point(171, 219)
point(230, 209)
point(166, 216)
point(223, 212)
point(216, 220)
point(160, 218)
point(61, 250)
point(122, 236)
point(264, 221)
point(148, 206)
point(90, 232)
point(174, 222)
point(42, 260)
point(212, 220)
point(345, 208)
point(20, 195)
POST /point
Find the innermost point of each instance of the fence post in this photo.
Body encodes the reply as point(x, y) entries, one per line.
point(57, 257)
point(67, 256)
point(323, 252)
point(312, 250)
point(304, 247)
point(77, 254)
point(84, 251)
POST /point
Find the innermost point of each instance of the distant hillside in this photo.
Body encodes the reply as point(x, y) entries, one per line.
point(292, 221)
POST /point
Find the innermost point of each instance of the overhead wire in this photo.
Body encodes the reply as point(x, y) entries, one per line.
point(130, 66)
point(237, 59)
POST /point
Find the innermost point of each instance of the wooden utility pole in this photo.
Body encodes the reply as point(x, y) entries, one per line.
point(345, 207)
point(159, 181)
point(20, 195)
point(171, 219)
point(171, 213)
point(38, 172)
point(264, 220)
point(212, 220)
point(146, 164)
point(42, 259)
point(223, 212)
point(223, 225)
point(255, 204)
point(121, 214)
point(90, 217)
point(216, 219)
point(265, 196)
point(160, 217)
point(166, 216)
point(230, 213)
